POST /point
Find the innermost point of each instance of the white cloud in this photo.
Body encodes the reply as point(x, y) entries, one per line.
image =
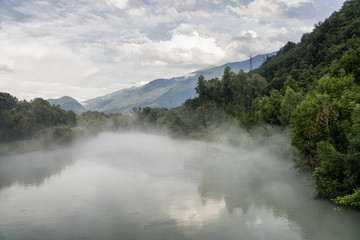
point(137, 12)
point(121, 4)
point(89, 48)
point(186, 47)
point(249, 33)
point(179, 4)
point(267, 10)
point(300, 12)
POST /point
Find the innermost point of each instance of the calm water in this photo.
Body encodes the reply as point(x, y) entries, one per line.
point(137, 186)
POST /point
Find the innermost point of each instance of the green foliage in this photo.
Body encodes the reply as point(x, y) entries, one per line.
point(235, 93)
point(39, 114)
point(329, 177)
point(288, 46)
point(268, 108)
point(61, 135)
point(325, 115)
point(173, 123)
point(225, 88)
point(335, 86)
point(333, 45)
point(313, 121)
point(21, 120)
point(354, 135)
point(6, 125)
point(288, 105)
point(208, 115)
point(7, 102)
point(209, 90)
point(339, 173)
point(352, 200)
point(163, 120)
point(291, 83)
point(348, 61)
point(95, 122)
point(152, 115)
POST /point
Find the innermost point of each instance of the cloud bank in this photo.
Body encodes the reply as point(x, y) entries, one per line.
point(89, 48)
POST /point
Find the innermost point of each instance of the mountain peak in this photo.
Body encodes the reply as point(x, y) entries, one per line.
point(68, 103)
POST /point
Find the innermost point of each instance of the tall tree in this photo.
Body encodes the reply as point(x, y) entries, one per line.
point(8, 102)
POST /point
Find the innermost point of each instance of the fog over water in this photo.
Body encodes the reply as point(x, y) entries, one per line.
point(141, 186)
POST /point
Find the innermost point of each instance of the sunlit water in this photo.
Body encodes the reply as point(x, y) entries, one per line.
point(137, 186)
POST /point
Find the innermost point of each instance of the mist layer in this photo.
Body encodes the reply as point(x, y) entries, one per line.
point(140, 186)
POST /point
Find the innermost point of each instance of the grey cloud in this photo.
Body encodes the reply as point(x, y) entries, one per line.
point(5, 69)
point(305, 10)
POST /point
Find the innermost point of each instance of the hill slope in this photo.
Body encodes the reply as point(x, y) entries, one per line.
point(167, 93)
point(68, 103)
point(315, 84)
point(310, 90)
point(333, 46)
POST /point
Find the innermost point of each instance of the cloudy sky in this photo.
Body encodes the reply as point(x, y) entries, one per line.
point(88, 48)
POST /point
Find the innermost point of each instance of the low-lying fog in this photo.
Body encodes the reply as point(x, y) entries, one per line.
point(139, 186)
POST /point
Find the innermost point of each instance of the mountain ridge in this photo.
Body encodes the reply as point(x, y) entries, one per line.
point(161, 92)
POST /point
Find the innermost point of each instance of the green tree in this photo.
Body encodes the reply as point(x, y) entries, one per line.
point(268, 108)
point(329, 175)
point(8, 102)
point(201, 88)
point(352, 200)
point(172, 122)
point(338, 176)
point(225, 80)
point(306, 130)
point(288, 104)
point(94, 121)
point(6, 126)
point(290, 82)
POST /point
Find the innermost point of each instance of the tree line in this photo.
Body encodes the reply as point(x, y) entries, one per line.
point(23, 119)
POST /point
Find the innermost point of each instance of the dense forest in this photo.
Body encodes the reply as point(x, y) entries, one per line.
point(310, 88)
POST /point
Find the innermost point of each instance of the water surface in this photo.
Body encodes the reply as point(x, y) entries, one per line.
point(138, 186)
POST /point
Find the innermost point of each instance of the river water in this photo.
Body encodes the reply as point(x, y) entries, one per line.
point(139, 186)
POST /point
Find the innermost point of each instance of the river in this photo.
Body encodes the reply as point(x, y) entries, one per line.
point(141, 186)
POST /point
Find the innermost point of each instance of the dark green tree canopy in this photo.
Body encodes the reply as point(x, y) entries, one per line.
point(8, 102)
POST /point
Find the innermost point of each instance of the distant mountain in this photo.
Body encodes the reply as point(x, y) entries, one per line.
point(168, 93)
point(68, 103)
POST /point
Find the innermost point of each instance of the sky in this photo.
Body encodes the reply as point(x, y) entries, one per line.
point(89, 48)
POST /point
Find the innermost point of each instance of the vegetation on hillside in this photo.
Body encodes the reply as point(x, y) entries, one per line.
point(311, 88)
point(25, 120)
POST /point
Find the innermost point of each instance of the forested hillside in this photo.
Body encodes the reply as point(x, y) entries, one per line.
point(25, 120)
point(38, 122)
point(324, 70)
point(311, 88)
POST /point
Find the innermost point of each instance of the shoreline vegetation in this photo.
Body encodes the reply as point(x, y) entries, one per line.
point(309, 91)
